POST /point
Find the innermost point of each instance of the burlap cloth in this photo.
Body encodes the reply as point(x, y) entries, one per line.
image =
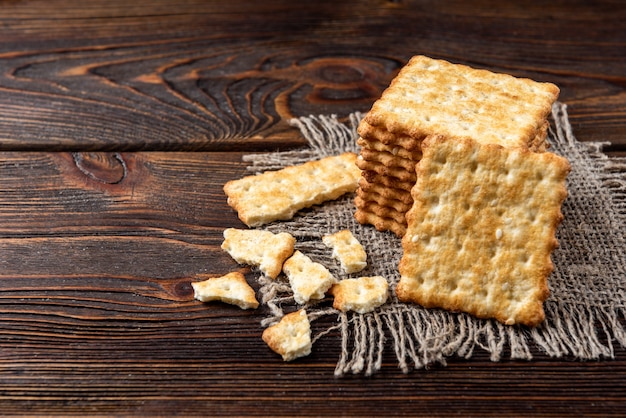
point(585, 312)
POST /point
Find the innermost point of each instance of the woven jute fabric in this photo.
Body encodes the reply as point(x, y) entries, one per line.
point(585, 313)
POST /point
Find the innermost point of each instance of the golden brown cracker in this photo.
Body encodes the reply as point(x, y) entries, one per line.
point(347, 250)
point(481, 230)
point(360, 295)
point(308, 280)
point(291, 336)
point(431, 96)
point(231, 288)
point(278, 195)
point(379, 222)
point(258, 248)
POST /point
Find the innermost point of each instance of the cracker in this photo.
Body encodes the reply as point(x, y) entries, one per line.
point(398, 173)
point(388, 159)
point(291, 337)
point(387, 192)
point(373, 196)
point(431, 96)
point(482, 229)
point(387, 181)
point(361, 295)
point(309, 280)
point(379, 222)
point(278, 195)
point(380, 210)
point(258, 248)
point(347, 250)
point(231, 288)
point(414, 153)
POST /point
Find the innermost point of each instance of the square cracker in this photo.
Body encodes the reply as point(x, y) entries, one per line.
point(436, 97)
point(481, 230)
point(278, 195)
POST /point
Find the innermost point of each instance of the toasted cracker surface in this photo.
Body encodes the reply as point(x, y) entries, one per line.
point(309, 280)
point(231, 288)
point(262, 249)
point(482, 229)
point(432, 96)
point(361, 295)
point(347, 250)
point(291, 337)
point(278, 195)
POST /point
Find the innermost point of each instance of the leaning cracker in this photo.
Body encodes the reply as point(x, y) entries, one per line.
point(482, 229)
point(430, 96)
point(278, 195)
point(291, 337)
point(231, 288)
point(360, 295)
point(309, 280)
point(347, 250)
point(262, 249)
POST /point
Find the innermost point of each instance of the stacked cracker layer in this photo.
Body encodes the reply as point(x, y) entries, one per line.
point(435, 98)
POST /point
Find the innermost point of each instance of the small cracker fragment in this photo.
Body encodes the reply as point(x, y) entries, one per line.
point(347, 250)
point(309, 280)
point(361, 295)
point(291, 337)
point(258, 248)
point(231, 288)
point(482, 229)
point(278, 195)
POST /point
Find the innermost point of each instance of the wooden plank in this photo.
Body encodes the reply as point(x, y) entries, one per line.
point(97, 314)
point(208, 76)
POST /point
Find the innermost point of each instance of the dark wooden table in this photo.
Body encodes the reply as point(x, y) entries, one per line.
point(121, 120)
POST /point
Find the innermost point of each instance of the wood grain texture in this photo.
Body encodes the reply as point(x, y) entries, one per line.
point(194, 75)
point(99, 240)
point(97, 312)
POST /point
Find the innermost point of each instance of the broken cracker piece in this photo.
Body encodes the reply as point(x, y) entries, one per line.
point(258, 248)
point(481, 230)
point(347, 250)
point(278, 195)
point(291, 337)
point(360, 295)
point(231, 288)
point(309, 280)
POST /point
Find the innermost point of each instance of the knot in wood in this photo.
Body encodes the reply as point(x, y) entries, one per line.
point(103, 167)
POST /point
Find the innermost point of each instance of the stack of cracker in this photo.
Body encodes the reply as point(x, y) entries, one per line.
point(433, 98)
